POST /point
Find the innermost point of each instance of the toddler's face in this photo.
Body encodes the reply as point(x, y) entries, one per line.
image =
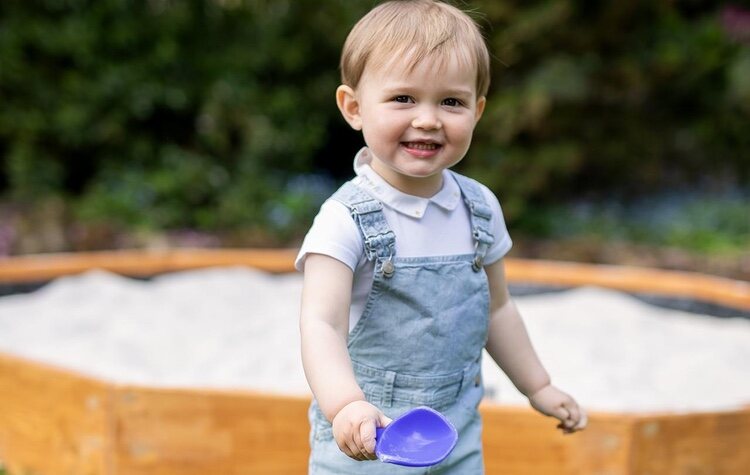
point(417, 122)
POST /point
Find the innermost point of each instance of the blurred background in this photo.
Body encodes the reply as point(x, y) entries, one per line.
point(615, 132)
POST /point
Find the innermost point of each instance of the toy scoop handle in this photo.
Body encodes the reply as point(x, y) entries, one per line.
point(378, 432)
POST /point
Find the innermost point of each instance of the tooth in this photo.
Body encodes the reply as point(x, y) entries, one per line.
point(423, 146)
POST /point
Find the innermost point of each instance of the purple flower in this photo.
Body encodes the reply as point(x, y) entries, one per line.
point(736, 23)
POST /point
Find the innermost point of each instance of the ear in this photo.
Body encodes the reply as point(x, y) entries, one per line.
point(348, 104)
point(481, 102)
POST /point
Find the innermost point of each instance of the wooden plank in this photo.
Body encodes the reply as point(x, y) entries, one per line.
point(186, 432)
point(519, 441)
point(43, 267)
point(52, 421)
point(710, 443)
point(719, 290)
point(56, 422)
point(170, 432)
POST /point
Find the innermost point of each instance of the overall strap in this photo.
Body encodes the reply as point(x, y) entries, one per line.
point(367, 212)
point(481, 215)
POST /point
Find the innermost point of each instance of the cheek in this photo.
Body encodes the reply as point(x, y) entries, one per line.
point(385, 127)
point(463, 130)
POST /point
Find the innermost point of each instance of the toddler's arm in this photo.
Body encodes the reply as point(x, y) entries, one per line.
point(509, 345)
point(324, 327)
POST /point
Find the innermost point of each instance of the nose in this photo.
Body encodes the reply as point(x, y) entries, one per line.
point(426, 119)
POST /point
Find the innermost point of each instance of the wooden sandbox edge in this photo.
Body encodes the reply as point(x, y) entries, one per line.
point(55, 420)
point(140, 263)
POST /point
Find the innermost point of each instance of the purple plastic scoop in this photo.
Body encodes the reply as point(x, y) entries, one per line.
point(420, 437)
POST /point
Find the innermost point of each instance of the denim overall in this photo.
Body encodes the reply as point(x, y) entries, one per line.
point(419, 340)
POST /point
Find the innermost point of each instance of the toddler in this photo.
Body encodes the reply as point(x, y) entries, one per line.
point(403, 266)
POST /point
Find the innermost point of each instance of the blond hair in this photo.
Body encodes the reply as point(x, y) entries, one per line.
point(414, 30)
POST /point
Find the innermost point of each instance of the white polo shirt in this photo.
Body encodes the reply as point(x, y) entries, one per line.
point(435, 226)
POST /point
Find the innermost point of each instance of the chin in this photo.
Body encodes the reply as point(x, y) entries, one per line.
point(420, 174)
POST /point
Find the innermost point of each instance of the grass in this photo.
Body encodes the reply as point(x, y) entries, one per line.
point(705, 224)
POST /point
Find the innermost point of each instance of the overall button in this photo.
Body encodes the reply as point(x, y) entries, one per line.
point(476, 264)
point(388, 268)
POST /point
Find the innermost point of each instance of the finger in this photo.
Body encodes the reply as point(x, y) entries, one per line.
point(561, 413)
point(347, 444)
point(344, 447)
point(367, 440)
point(564, 429)
point(357, 443)
point(573, 414)
point(361, 438)
point(356, 454)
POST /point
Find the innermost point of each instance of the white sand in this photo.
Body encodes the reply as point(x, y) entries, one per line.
point(237, 328)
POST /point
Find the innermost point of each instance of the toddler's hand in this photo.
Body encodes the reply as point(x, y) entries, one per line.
point(552, 402)
point(354, 429)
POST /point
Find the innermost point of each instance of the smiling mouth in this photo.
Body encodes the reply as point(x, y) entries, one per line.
point(422, 145)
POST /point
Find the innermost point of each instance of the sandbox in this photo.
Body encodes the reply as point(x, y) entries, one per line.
point(55, 421)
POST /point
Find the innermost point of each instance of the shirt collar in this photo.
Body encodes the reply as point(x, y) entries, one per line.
point(413, 206)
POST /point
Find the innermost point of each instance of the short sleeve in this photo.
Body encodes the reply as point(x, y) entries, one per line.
point(333, 233)
point(503, 242)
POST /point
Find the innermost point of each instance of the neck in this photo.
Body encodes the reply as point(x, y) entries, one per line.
point(424, 187)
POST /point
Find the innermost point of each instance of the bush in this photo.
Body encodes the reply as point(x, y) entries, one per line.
point(209, 114)
point(166, 114)
point(613, 99)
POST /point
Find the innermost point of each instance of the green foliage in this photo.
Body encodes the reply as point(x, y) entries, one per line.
point(611, 99)
point(706, 224)
point(210, 114)
point(166, 113)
